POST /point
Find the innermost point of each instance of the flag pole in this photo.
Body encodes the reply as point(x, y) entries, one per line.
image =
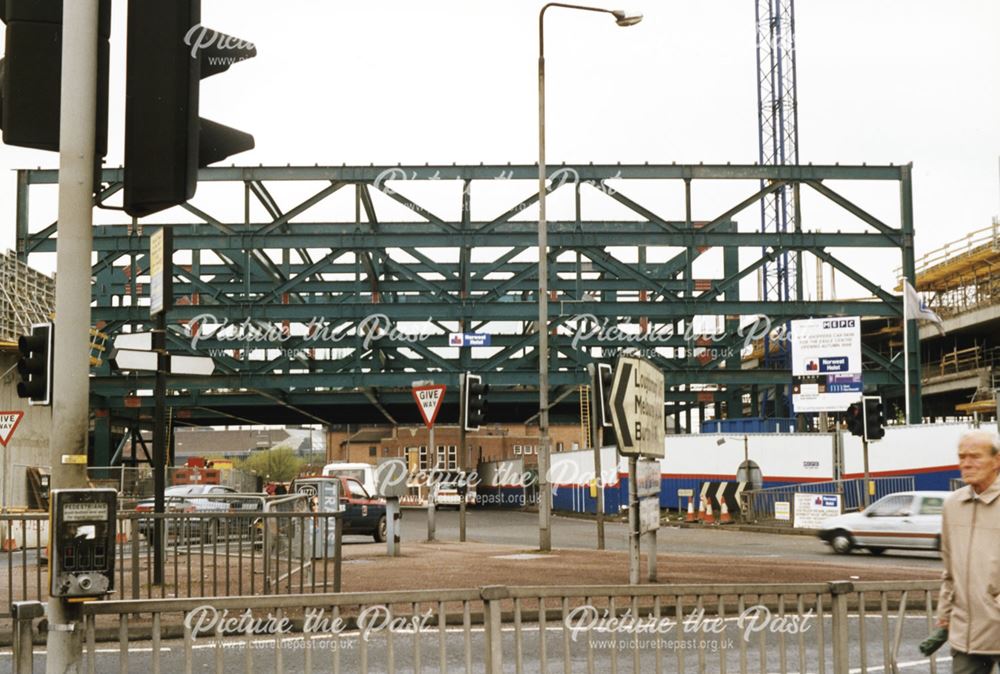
point(906, 348)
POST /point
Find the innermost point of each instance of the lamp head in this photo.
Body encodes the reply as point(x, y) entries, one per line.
point(623, 19)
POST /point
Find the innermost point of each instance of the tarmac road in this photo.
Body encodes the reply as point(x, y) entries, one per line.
point(521, 529)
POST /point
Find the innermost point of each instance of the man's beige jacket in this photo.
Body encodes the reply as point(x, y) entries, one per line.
point(970, 584)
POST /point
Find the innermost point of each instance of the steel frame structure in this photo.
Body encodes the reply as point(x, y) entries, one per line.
point(460, 275)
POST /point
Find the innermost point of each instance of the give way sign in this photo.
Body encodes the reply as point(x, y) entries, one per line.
point(8, 423)
point(429, 399)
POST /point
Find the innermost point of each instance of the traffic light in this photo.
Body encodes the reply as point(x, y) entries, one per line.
point(874, 419)
point(169, 53)
point(34, 364)
point(602, 384)
point(855, 420)
point(474, 402)
point(30, 73)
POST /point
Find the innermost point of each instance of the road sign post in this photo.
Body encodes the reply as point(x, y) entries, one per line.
point(637, 417)
point(429, 397)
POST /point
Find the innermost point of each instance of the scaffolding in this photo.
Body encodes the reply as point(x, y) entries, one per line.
point(964, 274)
point(26, 296)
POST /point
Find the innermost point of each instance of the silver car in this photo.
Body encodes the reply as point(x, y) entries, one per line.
point(906, 520)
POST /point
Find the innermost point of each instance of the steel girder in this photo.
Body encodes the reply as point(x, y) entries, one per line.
point(387, 278)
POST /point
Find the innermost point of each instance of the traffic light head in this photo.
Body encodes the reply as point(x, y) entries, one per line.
point(855, 420)
point(169, 53)
point(604, 376)
point(474, 402)
point(34, 365)
point(30, 73)
point(874, 419)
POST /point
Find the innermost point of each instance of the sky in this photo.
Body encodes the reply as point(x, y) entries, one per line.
point(396, 81)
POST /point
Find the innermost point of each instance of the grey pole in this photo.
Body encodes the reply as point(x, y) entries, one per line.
point(865, 498)
point(431, 451)
point(71, 360)
point(599, 506)
point(392, 525)
point(633, 523)
point(462, 457)
point(544, 488)
point(544, 498)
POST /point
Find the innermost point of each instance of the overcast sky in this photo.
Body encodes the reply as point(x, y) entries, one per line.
point(455, 81)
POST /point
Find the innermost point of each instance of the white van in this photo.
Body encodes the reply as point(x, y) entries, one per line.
point(362, 472)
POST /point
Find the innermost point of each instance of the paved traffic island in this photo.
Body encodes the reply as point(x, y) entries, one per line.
point(426, 565)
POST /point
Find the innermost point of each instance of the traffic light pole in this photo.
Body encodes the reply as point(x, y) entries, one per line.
point(864, 497)
point(462, 453)
point(159, 444)
point(71, 364)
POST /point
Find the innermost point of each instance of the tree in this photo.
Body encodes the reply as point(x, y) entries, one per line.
point(277, 465)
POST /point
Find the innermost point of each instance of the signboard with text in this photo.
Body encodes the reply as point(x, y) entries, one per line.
point(826, 364)
point(429, 399)
point(812, 509)
point(8, 424)
point(637, 407)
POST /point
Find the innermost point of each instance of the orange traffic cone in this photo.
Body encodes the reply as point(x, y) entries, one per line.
point(724, 517)
point(701, 511)
point(690, 517)
point(709, 518)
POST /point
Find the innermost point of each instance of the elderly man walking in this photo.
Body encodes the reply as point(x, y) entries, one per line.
point(970, 548)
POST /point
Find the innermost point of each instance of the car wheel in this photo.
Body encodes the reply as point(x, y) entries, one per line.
point(842, 542)
point(876, 551)
point(380, 531)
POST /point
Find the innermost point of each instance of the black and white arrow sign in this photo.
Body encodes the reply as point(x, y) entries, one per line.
point(637, 407)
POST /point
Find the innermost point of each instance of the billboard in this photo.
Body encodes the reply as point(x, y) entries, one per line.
point(826, 364)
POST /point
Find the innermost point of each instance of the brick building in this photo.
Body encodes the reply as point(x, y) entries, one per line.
point(490, 443)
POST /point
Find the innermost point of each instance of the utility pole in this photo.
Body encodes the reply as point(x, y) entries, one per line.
point(71, 364)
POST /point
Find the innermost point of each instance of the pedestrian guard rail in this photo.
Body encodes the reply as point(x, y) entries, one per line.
point(759, 504)
point(836, 627)
point(275, 546)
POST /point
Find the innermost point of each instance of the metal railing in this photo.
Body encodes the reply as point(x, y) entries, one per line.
point(819, 627)
point(759, 504)
point(205, 554)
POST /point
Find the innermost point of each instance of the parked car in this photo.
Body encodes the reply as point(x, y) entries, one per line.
point(905, 520)
point(189, 498)
point(363, 513)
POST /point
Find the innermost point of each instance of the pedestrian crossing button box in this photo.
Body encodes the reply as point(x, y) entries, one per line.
point(82, 542)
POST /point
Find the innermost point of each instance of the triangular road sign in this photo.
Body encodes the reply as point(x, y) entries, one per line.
point(8, 422)
point(429, 399)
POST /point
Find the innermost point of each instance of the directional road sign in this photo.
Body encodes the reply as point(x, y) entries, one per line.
point(637, 407)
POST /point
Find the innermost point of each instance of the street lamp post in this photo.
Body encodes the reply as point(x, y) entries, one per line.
point(544, 490)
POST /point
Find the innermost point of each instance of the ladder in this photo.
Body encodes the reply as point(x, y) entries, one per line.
point(98, 345)
point(585, 416)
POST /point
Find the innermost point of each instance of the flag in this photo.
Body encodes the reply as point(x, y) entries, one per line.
point(917, 308)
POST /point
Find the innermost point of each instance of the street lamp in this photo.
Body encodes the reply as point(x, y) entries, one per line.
point(746, 455)
point(544, 506)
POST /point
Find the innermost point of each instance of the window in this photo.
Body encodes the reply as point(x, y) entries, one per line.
point(357, 491)
point(517, 450)
point(440, 458)
point(529, 449)
point(931, 505)
point(373, 451)
point(423, 458)
point(452, 457)
point(559, 446)
point(896, 505)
